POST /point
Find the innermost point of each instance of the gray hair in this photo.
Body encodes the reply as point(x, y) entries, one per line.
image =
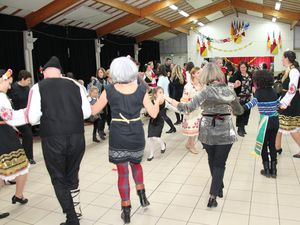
point(210, 73)
point(217, 58)
point(123, 70)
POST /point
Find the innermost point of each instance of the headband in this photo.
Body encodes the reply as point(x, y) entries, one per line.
point(7, 74)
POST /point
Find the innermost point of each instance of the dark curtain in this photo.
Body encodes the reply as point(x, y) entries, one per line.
point(149, 52)
point(11, 43)
point(115, 46)
point(73, 46)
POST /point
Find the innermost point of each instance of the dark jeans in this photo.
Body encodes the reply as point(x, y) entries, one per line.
point(217, 156)
point(27, 142)
point(242, 120)
point(269, 141)
point(63, 155)
point(99, 125)
point(167, 119)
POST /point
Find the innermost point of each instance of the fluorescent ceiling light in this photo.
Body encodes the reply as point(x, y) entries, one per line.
point(274, 19)
point(183, 13)
point(174, 7)
point(195, 21)
point(277, 5)
point(200, 24)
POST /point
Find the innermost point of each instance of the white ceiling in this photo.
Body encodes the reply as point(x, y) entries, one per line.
point(252, 13)
point(135, 28)
point(215, 16)
point(196, 4)
point(30, 5)
point(87, 15)
point(256, 1)
point(165, 36)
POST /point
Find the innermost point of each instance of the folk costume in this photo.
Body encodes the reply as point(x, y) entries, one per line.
point(61, 106)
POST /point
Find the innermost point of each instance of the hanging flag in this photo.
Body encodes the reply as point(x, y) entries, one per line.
point(209, 45)
point(279, 41)
point(274, 46)
point(203, 50)
point(269, 42)
point(198, 45)
point(243, 25)
point(232, 30)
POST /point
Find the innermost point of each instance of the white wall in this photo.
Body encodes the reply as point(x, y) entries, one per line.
point(257, 32)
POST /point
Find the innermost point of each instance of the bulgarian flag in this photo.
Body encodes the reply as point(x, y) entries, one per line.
point(269, 41)
point(203, 50)
point(274, 46)
point(198, 44)
point(279, 41)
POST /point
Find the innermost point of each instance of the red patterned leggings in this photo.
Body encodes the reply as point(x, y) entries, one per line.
point(123, 179)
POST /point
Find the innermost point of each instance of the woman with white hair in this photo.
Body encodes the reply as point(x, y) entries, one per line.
point(216, 131)
point(127, 139)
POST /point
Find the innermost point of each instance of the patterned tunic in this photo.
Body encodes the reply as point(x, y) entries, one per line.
point(190, 123)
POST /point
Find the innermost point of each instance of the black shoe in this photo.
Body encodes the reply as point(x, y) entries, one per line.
point(279, 151)
point(266, 171)
point(273, 169)
point(143, 199)
point(102, 137)
point(220, 195)
point(150, 159)
point(32, 162)
point(3, 215)
point(95, 140)
point(163, 150)
point(22, 201)
point(240, 132)
point(125, 215)
point(177, 123)
point(243, 130)
point(212, 202)
point(172, 130)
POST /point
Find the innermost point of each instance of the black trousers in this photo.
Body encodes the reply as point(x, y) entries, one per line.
point(242, 120)
point(167, 119)
point(269, 141)
point(63, 155)
point(179, 117)
point(27, 142)
point(217, 156)
point(99, 125)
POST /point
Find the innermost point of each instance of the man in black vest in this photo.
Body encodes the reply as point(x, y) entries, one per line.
point(61, 107)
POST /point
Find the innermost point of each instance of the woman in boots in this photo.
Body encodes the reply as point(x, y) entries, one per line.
point(127, 138)
point(267, 101)
point(216, 131)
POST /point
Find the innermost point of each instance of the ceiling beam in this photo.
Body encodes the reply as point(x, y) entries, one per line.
point(144, 12)
point(240, 4)
point(183, 21)
point(47, 11)
point(293, 24)
point(182, 30)
point(234, 9)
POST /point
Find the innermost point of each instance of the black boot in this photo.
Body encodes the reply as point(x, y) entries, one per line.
point(143, 199)
point(240, 132)
point(243, 130)
point(125, 215)
point(3, 215)
point(212, 202)
point(273, 169)
point(101, 134)
point(266, 170)
point(95, 138)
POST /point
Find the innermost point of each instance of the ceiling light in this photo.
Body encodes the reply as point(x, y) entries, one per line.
point(277, 5)
point(195, 21)
point(183, 13)
point(274, 19)
point(200, 24)
point(174, 7)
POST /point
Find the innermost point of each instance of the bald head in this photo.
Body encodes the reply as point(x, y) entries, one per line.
point(52, 72)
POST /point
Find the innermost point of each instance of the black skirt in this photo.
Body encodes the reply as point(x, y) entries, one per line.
point(155, 127)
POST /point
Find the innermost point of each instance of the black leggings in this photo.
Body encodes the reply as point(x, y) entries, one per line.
point(242, 120)
point(269, 141)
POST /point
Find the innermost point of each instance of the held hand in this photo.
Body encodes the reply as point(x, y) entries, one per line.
point(168, 99)
point(237, 84)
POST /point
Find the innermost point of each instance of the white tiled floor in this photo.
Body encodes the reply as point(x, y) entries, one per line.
point(177, 184)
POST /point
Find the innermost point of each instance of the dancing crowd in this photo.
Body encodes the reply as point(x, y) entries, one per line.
point(205, 100)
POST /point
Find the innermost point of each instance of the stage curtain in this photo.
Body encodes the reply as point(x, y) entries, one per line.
point(258, 60)
point(149, 52)
point(11, 44)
